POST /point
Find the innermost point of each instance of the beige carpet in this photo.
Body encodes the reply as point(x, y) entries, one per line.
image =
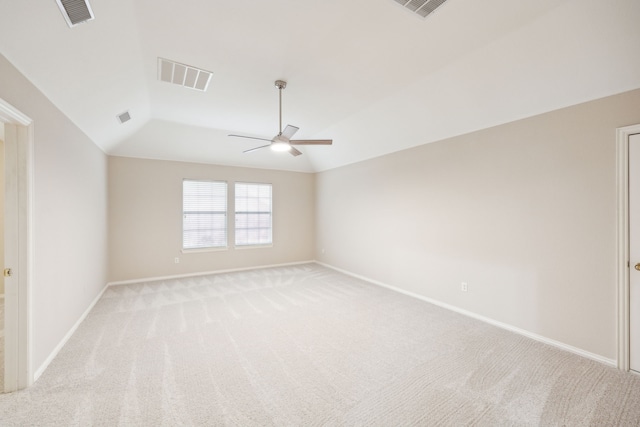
point(305, 345)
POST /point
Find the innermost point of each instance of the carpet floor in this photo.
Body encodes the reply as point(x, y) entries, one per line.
point(305, 345)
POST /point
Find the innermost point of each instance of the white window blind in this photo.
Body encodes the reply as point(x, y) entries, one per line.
point(204, 214)
point(253, 214)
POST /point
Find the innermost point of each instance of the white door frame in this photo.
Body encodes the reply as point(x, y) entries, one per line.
point(622, 256)
point(18, 369)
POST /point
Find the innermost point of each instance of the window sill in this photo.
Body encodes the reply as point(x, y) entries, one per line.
point(192, 251)
point(242, 247)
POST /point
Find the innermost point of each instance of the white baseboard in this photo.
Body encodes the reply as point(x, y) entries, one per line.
point(64, 340)
point(203, 273)
point(540, 338)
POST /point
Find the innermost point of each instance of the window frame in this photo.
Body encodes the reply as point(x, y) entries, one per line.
point(236, 213)
point(221, 247)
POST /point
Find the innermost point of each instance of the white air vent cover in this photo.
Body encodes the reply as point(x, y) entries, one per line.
point(183, 75)
point(421, 7)
point(75, 11)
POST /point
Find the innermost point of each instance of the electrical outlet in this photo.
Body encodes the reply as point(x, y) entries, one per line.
point(463, 287)
point(176, 260)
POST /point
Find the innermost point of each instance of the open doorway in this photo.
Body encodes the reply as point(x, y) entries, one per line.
point(18, 144)
point(2, 255)
point(628, 248)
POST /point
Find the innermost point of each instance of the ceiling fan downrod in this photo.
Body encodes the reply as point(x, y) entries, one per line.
point(280, 84)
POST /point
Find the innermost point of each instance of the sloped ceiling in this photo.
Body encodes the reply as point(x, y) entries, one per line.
point(367, 73)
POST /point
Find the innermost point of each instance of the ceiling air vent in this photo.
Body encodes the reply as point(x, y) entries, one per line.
point(421, 7)
point(75, 11)
point(183, 75)
point(124, 117)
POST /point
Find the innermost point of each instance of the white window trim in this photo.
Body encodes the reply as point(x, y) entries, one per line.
point(235, 212)
point(256, 246)
point(208, 248)
point(211, 249)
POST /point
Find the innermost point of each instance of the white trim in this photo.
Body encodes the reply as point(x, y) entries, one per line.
point(203, 273)
point(202, 250)
point(488, 320)
point(26, 168)
point(8, 114)
point(68, 335)
point(259, 246)
point(622, 253)
point(18, 330)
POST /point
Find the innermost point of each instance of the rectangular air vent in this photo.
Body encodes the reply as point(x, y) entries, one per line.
point(183, 75)
point(421, 7)
point(75, 11)
point(124, 117)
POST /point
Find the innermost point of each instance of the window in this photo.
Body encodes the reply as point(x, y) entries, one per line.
point(253, 214)
point(204, 214)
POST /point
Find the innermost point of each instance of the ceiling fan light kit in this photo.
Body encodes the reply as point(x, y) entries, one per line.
point(280, 146)
point(282, 141)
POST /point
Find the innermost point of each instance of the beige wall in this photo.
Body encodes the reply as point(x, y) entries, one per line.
point(2, 206)
point(145, 219)
point(69, 221)
point(524, 213)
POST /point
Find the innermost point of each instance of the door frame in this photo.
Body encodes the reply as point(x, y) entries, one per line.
point(18, 369)
point(622, 254)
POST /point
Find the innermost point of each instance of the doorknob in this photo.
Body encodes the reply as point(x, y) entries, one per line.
point(637, 266)
point(7, 272)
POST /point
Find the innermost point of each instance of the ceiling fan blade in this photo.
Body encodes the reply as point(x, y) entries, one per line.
point(250, 137)
point(294, 152)
point(254, 149)
point(289, 131)
point(311, 142)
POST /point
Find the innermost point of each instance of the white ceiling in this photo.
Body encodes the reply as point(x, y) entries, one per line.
point(367, 73)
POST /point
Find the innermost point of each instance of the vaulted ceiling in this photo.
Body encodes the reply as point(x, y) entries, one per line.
point(369, 74)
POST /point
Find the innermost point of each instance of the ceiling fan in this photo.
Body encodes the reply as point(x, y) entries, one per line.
point(282, 141)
